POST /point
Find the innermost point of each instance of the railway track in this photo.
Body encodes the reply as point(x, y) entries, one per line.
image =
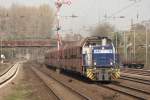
point(136, 71)
point(138, 80)
point(128, 90)
point(5, 71)
point(9, 74)
point(59, 89)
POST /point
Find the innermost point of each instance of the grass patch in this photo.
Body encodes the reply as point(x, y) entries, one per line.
point(21, 92)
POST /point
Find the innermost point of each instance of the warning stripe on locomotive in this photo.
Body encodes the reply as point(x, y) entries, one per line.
point(90, 74)
point(115, 74)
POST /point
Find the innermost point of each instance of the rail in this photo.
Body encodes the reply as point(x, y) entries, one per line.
point(9, 74)
point(69, 90)
point(130, 91)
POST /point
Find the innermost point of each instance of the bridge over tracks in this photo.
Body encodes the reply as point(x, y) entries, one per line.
point(28, 49)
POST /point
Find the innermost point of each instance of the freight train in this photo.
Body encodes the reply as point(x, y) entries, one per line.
point(93, 57)
point(133, 64)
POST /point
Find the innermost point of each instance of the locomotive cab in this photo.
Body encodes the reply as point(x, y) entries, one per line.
point(92, 52)
point(99, 58)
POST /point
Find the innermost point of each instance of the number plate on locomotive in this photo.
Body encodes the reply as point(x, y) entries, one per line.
point(103, 51)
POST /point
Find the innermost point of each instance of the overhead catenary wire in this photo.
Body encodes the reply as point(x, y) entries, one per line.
point(124, 8)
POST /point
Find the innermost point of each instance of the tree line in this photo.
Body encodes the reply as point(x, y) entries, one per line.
point(21, 22)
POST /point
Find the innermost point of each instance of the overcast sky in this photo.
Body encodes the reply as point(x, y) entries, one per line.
point(90, 12)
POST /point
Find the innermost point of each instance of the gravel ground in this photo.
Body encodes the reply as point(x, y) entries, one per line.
point(135, 85)
point(136, 76)
point(89, 89)
point(26, 86)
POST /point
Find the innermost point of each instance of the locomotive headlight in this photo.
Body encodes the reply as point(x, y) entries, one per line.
point(111, 63)
point(94, 63)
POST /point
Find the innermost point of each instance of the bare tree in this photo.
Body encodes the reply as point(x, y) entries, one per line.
point(27, 22)
point(103, 29)
point(73, 37)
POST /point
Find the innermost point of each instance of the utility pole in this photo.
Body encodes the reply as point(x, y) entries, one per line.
point(133, 27)
point(146, 45)
point(146, 42)
point(116, 42)
point(134, 44)
point(125, 46)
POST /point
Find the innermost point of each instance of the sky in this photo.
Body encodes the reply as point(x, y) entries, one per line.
point(92, 12)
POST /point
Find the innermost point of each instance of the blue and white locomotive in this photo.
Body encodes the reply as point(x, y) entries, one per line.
point(93, 57)
point(100, 60)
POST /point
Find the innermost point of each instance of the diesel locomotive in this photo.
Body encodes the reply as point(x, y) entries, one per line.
point(93, 57)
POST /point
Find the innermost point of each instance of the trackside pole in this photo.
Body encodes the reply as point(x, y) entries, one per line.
point(58, 4)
